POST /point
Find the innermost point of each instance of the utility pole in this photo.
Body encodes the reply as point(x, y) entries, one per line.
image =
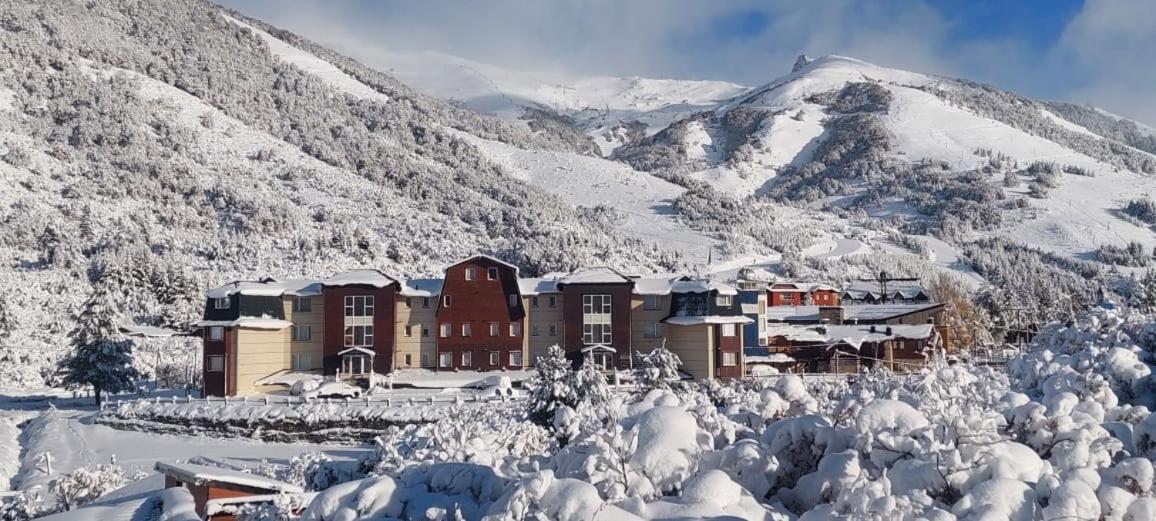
point(883, 286)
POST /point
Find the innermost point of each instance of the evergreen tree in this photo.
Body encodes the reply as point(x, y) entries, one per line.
point(7, 321)
point(1144, 292)
point(102, 357)
point(550, 385)
point(657, 369)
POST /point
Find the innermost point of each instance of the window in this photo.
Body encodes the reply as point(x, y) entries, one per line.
point(302, 305)
point(425, 302)
point(445, 332)
point(515, 329)
point(494, 329)
point(492, 273)
point(355, 364)
point(216, 333)
point(552, 302)
point(535, 330)
point(466, 330)
point(302, 362)
point(408, 330)
point(359, 306)
point(408, 302)
point(652, 302)
point(722, 301)
point(424, 332)
point(445, 301)
point(495, 358)
point(425, 359)
point(467, 359)
point(445, 360)
point(730, 359)
point(221, 303)
point(513, 300)
point(652, 330)
point(596, 321)
point(358, 336)
point(533, 302)
point(553, 329)
point(408, 360)
point(470, 273)
point(302, 333)
point(516, 358)
point(728, 330)
point(216, 363)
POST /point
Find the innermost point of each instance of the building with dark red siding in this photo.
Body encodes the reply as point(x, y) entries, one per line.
point(358, 322)
point(481, 318)
point(596, 317)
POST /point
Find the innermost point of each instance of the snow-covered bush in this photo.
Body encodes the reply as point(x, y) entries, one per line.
point(657, 369)
point(86, 484)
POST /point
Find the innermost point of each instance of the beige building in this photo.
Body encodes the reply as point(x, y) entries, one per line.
point(543, 303)
point(415, 324)
point(307, 313)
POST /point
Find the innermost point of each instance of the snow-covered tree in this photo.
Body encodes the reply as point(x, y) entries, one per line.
point(86, 484)
point(657, 369)
point(1144, 292)
point(102, 356)
point(550, 385)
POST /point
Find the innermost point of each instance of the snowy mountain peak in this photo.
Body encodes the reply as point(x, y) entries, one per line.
point(800, 62)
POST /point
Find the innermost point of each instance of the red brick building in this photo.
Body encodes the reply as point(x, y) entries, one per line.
point(596, 312)
point(480, 316)
point(358, 333)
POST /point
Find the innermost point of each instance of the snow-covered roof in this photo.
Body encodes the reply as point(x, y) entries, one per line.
point(268, 287)
point(769, 358)
point(356, 351)
point(201, 474)
point(598, 275)
point(854, 336)
point(421, 287)
point(150, 331)
point(654, 285)
point(538, 286)
point(360, 277)
point(248, 323)
point(861, 312)
point(702, 286)
point(599, 347)
point(486, 257)
point(230, 505)
point(807, 287)
point(710, 319)
point(757, 274)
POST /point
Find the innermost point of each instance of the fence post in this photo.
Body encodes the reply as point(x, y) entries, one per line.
point(266, 399)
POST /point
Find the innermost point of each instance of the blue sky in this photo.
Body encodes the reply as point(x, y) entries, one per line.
point(1101, 52)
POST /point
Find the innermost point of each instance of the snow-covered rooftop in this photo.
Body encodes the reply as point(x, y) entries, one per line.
point(200, 474)
point(854, 336)
point(248, 322)
point(654, 285)
point(598, 275)
point(357, 351)
point(268, 287)
point(421, 287)
point(905, 288)
point(538, 286)
point(791, 287)
point(702, 286)
point(863, 312)
point(150, 331)
point(360, 277)
point(486, 257)
point(710, 319)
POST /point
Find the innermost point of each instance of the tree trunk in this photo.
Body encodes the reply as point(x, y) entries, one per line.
point(96, 393)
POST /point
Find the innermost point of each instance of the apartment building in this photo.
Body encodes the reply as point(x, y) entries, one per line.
point(482, 316)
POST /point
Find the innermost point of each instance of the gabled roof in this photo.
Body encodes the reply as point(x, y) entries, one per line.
point(357, 351)
point(793, 287)
point(599, 347)
point(597, 275)
point(268, 287)
point(904, 288)
point(273, 324)
point(702, 286)
point(360, 277)
point(421, 287)
point(201, 474)
point(486, 257)
point(654, 285)
point(538, 286)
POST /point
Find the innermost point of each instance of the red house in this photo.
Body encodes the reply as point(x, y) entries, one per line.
point(358, 333)
point(802, 294)
point(480, 316)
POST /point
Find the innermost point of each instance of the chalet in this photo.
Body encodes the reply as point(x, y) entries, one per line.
point(894, 291)
point(596, 317)
point(849, 348)
point(481, 317)
point(249, 331)
point(211, 485)
point(705, 323)
point(802, 293)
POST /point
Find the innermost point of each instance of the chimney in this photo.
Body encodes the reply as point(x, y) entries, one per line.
point(888, 330)
point(832, 314)
point(872, 329)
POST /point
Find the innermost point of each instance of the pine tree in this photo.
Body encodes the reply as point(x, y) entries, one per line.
point(1010, 180)
point(550, 385)
point(7, 321)
point(1144, 292)
point(657, 369)
point(102, 357)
